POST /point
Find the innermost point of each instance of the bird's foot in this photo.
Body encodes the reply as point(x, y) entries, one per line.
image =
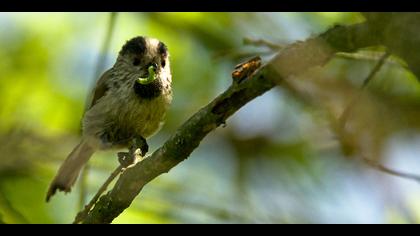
point(125, 159)
point(139, 143)
point(136, 152)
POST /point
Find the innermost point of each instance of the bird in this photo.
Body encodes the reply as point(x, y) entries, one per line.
point(128, 103)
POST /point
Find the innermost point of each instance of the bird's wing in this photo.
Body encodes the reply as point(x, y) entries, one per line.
point(100, 89)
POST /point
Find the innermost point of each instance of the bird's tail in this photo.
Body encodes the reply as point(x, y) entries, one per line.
point(70, 169)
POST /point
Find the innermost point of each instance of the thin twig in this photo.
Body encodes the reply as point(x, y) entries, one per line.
point(375, 70)
point(262, 42)
point(343, 118)
point(99, 67)
point(236, 55)
point(370, 56)
point(82, 214)
point(102, 55)
point(387, 170)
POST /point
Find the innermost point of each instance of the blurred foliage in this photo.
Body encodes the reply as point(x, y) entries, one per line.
point(277, 160)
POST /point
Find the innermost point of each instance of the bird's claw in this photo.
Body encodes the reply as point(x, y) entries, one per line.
point(136, 152)
point(139, 143)
point(126, 159)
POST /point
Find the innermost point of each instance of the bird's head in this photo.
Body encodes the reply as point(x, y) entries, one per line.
point(146, 59)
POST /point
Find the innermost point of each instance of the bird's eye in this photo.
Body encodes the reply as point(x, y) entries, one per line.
point(163, 63)
point(136, 61)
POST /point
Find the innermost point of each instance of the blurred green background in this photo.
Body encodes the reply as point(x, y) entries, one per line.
point(276, 161)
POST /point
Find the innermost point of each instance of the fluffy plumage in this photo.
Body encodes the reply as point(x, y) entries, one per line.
point(121, 109)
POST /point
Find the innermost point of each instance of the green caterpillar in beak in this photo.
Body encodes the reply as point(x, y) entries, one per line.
point(150, 78)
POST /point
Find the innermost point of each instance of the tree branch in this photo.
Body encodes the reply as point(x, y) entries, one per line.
point(291, 60)
point(178, 147)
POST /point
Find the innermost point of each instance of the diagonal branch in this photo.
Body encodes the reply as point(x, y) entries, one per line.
point(291, 60)
point(178, 147)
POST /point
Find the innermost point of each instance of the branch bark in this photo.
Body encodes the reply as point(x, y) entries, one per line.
point(291, 60)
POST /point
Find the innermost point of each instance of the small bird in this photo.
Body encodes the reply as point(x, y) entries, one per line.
point(128, 104)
